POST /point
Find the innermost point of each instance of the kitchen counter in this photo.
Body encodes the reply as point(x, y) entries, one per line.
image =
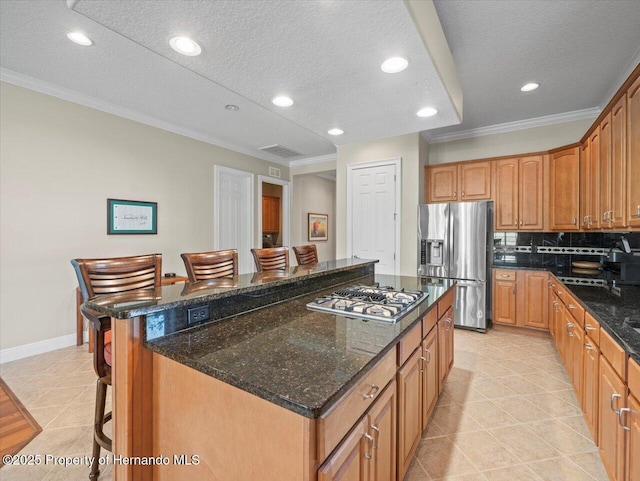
point(299, 359)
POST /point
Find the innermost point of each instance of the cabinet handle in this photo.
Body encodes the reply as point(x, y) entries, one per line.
point(589, 327)
point(559, 293)
point(448, 320)
point(605, 217)
point(370, 439)
point(611, 216)
point(505, 275)
point(571, 306)
point(573, 221)
point(637, 214)
point(620, 412)
point(463, 193)
point(585, 220)
point(372, 393)
point(516, 223)
point(454, 194)
point(555, 306)
point(612, 401)
point(376, 430)
point(569, 326)
point(424, 359)
point(520, 222)
point(589, 347)
point(428, 355)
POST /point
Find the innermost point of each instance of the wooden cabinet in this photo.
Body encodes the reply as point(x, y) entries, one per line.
point(445, 346)
point(576, 358)
point(458, 182)
point(430, 376)
point(368, 452)
point(610, 432)
point(604, 173)
point(633, 154)
point(520, 298)
point(564, 189)
point(270, 214)
point(518, 193)
point(618, 184)
point(409, 410)
point(589, 182)
point(591, 365)
point(632, 455)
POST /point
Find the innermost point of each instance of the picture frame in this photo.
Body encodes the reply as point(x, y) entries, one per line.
point(131, 217)
point(318, 227)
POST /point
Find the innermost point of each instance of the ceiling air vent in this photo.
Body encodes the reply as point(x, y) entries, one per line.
point(274, 172)
point(280, 151)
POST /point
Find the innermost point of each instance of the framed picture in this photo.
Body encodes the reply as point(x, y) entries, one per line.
point(318, 227)
point(131, 217)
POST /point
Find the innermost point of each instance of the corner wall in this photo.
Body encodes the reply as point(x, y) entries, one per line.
point(59, 162)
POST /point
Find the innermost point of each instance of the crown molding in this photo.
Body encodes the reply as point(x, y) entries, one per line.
point(313, 160)
point(517, 125)
point(48, 88)
point(633, 63)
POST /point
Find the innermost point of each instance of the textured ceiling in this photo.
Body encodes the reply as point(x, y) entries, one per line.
point(577, 50)
point(326, 55)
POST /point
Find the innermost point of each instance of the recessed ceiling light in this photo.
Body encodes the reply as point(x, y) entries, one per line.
point(335, 132)
point(394, 65)
point(185, 46)
point(233, 108)
point(426, 112)
point(529, 87)
point(79, 38)
point(282, 101)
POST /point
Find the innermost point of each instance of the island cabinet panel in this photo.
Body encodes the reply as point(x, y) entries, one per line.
point(633, 154)
point(475, 181)
point(334, 425)
point(442, 183)
point(632, 456)
point(383, 426)
point(237, 435)
point(610, 432)
point(445, 346)
point(564, 192)
point(409, 410)
point(348, 463)
point(430, 376)
point(576, 342)
point(618, 184)
point(591, 363)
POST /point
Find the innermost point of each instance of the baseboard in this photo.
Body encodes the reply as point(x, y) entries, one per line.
point(27, 350)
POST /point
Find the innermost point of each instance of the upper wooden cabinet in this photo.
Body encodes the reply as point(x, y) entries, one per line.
point(564, 189)
point(589, 182)
point(633, 154)
point(518, 197)
point(604, 173)
point(618, 185)
point(458, 182)
point(270, 214)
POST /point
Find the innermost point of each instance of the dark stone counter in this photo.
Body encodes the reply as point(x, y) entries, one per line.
point(300, 359)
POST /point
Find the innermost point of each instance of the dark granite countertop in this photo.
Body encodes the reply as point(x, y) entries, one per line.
point(300, 359)
point(146, 301)
point(617, 315)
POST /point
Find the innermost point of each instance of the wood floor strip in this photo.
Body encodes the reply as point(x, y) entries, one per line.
point(17, 426)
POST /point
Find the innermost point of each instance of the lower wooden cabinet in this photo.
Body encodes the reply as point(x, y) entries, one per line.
point(610, 433)
point(520, 298)
point(368, 453)
point(576, 358)
point(430, 376)
point(409, 410)
point(445, 347)
point(632, 455)
point(591, 362)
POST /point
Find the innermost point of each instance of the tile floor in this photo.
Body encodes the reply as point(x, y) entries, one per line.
point(507, 413)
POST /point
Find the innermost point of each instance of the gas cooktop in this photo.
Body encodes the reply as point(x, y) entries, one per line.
point(369, 302)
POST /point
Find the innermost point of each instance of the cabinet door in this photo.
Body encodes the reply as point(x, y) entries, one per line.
point(430, 375)
point(531, 197)
point(633, 154)
point(349, 462)
point(604, 173)
point(633, 439)
point(618, 185)
point(532, 299)
point(504, 298)
point(506, 194)
point(475, 181)
point(445, 327)
point(591, 382)
point(564, 190)
point(382, 424)
point(586, 217)
point(593, 192)
point(442, 182)
point(610, 433)
point(409, 410)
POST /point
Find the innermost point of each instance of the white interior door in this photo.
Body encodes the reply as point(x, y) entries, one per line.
point(233, 222)
point(374, 209)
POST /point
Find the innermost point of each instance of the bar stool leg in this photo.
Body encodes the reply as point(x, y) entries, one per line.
point(101, 398)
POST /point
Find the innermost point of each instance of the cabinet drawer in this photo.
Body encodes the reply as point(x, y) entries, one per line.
point(409, 343)
point(504, 275)
point(337, 422)
point(616, 356)
point(592, 328)
point(575, 308)
point(445, 303)
point(429, 321)
point(634, 378)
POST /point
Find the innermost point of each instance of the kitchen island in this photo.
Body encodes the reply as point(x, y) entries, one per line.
point(271, 390)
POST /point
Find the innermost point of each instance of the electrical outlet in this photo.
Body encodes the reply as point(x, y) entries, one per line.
point(198, 314)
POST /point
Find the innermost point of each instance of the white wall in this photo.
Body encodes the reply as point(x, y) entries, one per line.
point(406, 147)
point(534, 139)
point(317, 195)
point(59, 164)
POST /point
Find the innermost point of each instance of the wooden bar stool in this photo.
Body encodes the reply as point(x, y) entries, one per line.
point(306, 255)
point(271, 259)
point(101, 277)
point(211, 265)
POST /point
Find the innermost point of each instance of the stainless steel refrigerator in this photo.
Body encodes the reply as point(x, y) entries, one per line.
point(454, 242)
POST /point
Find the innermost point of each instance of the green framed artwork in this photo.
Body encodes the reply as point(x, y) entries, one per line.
point(131, 217)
